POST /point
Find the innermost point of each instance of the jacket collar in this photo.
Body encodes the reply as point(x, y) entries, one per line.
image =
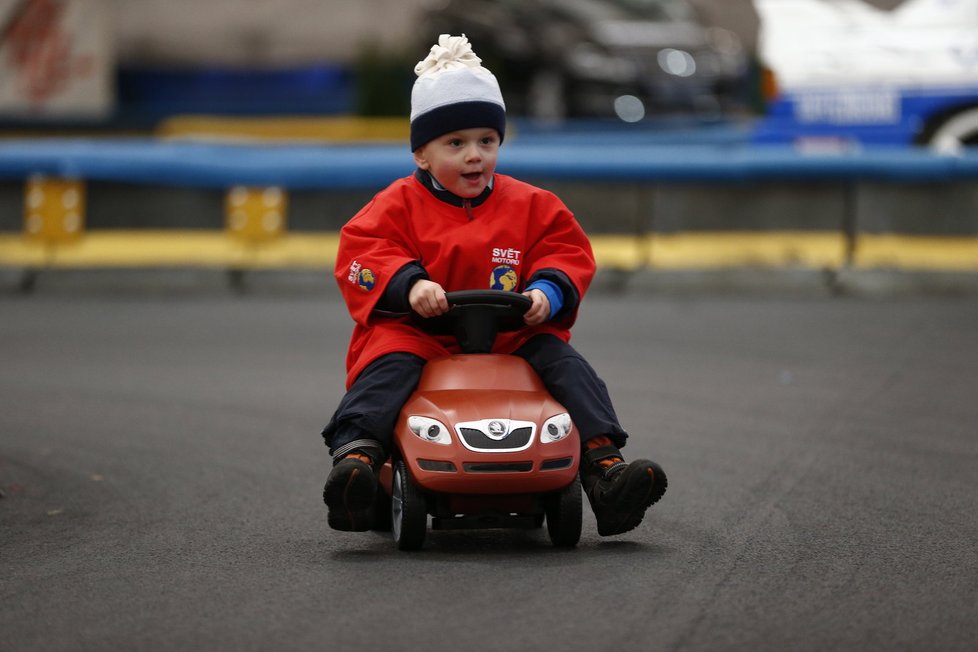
point(447, 196)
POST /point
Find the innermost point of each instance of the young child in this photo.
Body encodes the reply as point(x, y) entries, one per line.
point(456, 225)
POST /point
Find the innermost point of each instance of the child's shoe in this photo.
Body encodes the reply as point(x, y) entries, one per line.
point(350, 491)
point(619, 492)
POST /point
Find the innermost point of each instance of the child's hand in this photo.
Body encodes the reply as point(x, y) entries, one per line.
point(539, 312)
point(427, 298)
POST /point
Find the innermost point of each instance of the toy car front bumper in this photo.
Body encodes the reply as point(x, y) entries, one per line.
point(539, 469)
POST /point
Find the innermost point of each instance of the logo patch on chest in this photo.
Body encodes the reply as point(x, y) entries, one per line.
point(503, 277)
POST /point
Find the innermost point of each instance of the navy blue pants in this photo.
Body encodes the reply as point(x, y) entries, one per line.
point(367, 413)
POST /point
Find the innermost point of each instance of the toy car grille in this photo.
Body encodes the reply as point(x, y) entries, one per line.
point(476, 439)
point(497, 467)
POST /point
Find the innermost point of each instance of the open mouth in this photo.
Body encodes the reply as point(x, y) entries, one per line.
point(472, 176)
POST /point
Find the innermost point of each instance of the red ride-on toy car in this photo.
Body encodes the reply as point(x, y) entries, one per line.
point(481, 443)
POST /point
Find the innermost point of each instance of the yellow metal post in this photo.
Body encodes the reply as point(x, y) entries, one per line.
point(54, 209)
point(256, 215)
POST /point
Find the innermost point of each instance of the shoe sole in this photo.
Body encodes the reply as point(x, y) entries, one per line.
point(350, 497)
point(636, 498)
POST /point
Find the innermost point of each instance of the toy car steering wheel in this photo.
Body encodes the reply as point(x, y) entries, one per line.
point(475, 316)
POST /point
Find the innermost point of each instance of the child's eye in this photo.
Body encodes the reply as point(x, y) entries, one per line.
point(455, 142)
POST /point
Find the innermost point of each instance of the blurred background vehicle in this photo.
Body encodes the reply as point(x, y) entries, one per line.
point(845, 70)
point(557, 59)
point(873, 71)
point(116, 63)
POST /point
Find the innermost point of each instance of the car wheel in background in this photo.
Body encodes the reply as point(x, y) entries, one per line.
point(953, 131)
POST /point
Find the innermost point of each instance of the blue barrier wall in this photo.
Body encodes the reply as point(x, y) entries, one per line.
point(321, 167)
point(652, 201)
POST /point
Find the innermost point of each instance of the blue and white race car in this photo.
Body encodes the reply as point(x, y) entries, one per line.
point(843, 71)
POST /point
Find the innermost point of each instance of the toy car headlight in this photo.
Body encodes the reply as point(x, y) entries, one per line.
point(429, 430)
point(556, 428)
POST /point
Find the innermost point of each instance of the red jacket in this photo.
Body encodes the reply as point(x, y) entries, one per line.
point(517, 231)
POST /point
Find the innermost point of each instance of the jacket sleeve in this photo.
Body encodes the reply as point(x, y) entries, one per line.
point(374, 246)
point(561, 253)
point(395, 298)
point(568, 291)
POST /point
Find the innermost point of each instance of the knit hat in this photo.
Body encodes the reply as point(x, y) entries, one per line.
point(453, 91)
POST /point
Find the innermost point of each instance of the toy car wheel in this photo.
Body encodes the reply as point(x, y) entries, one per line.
point(564, 515)
point(409, 514)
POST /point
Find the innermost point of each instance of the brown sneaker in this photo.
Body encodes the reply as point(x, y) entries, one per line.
point(620, 492)
point(349, 493)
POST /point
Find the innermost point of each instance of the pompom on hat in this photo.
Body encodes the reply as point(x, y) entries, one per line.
point(452, 92)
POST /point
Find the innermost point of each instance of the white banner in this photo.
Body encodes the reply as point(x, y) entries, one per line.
point(56, 59)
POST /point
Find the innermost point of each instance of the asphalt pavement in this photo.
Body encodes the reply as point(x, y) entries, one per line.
point(161, 470)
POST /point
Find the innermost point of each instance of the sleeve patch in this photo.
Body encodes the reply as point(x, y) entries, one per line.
point(361, 276)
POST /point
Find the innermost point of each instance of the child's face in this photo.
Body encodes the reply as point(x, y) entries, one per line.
point(462, 161)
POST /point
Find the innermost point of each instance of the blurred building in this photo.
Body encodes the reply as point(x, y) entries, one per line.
point(257, 34)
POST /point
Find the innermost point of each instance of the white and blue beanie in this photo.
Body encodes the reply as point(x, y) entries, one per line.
point(453, 91)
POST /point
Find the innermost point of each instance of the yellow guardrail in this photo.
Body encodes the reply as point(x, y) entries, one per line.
point(340, 129)
point(681, 251)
